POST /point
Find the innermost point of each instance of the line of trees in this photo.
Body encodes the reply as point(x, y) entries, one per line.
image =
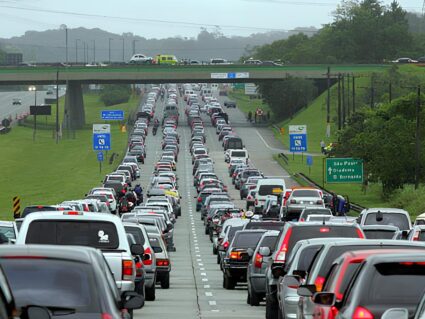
point(113, 94)
point(361, 32)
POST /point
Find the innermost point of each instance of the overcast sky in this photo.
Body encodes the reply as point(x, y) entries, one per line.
point(167, 18)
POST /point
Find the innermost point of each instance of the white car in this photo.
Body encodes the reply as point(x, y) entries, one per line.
point(140, 58)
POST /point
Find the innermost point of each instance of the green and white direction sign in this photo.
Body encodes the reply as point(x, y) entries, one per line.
point(344, 170)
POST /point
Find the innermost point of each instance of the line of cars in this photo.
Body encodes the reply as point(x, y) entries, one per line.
point(77, 260)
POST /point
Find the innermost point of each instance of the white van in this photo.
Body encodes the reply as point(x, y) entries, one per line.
point(237, 154)
point(265, 187)
point(187, 93)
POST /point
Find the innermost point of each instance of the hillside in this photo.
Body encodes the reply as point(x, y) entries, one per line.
point(49, 45)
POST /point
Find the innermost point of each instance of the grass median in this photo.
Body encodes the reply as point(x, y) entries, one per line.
point(43, 172)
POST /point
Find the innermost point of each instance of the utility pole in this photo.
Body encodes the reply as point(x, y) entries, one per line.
point(353, 92)
point(57, 106)
point(110, 39)
point(328, 100)
point(339, 101)
point(76, 50)
point(123, 48)
point(348, 95)
point(418, 138)
point(94, 51)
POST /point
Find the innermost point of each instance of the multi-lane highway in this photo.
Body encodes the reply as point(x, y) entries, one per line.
point(196, 289)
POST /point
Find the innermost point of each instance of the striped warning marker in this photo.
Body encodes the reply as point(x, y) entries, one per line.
point(16, 207)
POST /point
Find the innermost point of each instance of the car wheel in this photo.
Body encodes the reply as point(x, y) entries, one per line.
point(206, 230)
point(254, 299)
point(228, 282)
point(140, 289)
point(280, 314)
point(248, 298)
point(214, 250)
point(165, 281)
point(150, 293)
point(271, 308)
point(218, 258)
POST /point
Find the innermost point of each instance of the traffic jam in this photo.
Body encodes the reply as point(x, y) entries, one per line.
point(110, 253)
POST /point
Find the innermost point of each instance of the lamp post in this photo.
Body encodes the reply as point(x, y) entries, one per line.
point(64, 27)
point(123, 48)
point(94, 51)
point(33, 88)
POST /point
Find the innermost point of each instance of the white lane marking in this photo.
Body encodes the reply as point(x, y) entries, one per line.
point(200, 264)
point(199, 256)
point(195, 241)
point(267, 145)
point(215, 310)
point(204, 279)
point(208, 294)
point(199, 259)
point(212, 303)
point(201, 269)
point(207, 286)
point(203, 273)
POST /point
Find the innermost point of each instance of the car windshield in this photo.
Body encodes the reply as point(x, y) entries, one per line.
point(97, 234)
point(393, 219)
point(265, 190)
point(305, 193)
point(52, 283)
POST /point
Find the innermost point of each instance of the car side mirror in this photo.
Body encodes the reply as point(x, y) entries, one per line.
point(250, 252)
point(36, 312)
point(136, 249)
point(132, 300)
point(324, 298)
point(301, 273)
point(306, 290)
point(264, 251)
point(396, 313)
point(292, 281)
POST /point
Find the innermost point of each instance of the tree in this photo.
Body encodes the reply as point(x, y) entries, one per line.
point(112, 94)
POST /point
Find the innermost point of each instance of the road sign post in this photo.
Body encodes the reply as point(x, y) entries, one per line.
point(309, 163)
point(298, 138)
point(343, 170)
point(101, 137)
point(100, 159)
point(16, 207)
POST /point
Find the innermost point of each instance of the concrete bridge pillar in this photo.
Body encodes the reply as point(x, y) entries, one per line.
point(75, 117)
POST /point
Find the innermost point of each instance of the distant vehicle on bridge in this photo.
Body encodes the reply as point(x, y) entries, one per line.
point(140, 59)
point(404, 60)
point(165, 59)
point(216, 61)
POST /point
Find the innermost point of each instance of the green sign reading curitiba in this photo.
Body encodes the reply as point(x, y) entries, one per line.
point(344, 170)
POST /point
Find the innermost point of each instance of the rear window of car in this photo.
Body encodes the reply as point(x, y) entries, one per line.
point(378, 234)
point(97, 234)
point(155, 244)
point(247, 240)
point(269, 241)
point(307, 256)
point(308, 212)
point(265, 225)
point(232, 232)
point(265, 190)
point(33, 209)
point(305, 193)
point(137, 233)
point(394, 219)
point(395, 283)
point(238, 154)
point(323, 231)
point(53, 283)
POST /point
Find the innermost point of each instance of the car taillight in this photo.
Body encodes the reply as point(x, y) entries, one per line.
point(319, 283)
point(360, 233)
point(226, 245)
point(162, 262)
point(139, 269)
point(362, 313)
point(107, 316)
point(148, 252)
point(333, 312)
point(256, 202)
point(233, 175)
point(416, 235)
point(74, 213)
point(324, 230)
point(216, 220)
point(199, 199)
point(127, 269)
point(281, 256)
point(301, 220)
point(258, 261)
point(235, 255)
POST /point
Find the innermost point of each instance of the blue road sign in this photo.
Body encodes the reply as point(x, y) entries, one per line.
point(100, 156)
point(102, 142)
point(116, 115)
point(231, 75)
point(309, 160)
point(298, 143)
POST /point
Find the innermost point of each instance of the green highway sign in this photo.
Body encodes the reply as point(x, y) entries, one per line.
point(344, 170)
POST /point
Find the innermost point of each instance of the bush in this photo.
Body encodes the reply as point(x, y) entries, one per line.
point(113, 94)
point(410, 199)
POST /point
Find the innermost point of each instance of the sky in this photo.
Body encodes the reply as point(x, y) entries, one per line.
point(168, 18)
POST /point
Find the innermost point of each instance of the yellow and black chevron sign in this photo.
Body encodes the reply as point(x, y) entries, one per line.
point(16, 207)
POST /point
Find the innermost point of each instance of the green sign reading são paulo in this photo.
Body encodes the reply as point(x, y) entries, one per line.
point(344, 170)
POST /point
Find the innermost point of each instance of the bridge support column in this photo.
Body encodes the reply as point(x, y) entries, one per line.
point(75, 117)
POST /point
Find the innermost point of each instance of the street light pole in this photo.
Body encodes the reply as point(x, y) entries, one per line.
point(123, 48)
point(418, 138)
point(66, 43)
point(76, 50)
point(57, 106)
point(94, 51)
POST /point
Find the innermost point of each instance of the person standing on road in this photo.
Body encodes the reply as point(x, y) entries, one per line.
point(322, 146)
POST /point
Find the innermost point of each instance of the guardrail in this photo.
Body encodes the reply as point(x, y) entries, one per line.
point(353, 206)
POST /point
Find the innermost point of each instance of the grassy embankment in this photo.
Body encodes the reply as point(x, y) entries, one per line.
point(43, 172)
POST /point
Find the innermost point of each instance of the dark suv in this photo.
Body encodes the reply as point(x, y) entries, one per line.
point(238, 255)
point(291, 234)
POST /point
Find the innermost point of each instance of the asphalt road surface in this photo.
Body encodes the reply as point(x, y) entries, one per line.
point(196, 280)
point(28, 98)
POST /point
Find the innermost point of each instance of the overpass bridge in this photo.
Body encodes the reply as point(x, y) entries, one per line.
point(75, 76)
